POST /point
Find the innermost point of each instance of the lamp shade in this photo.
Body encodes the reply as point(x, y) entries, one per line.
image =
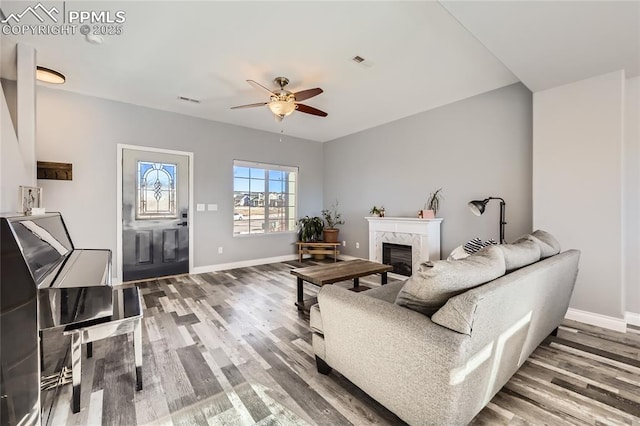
point(477, 206)
point(282, 108)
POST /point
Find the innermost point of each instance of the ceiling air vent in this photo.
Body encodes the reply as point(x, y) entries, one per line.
point(364, 63)
point(184, 98)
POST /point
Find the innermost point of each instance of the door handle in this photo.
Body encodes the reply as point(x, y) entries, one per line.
point(183, 224)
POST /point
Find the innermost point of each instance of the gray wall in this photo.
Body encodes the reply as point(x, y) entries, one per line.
point(578, 147)
point(631, 197)
point(474, 148)
point(85, 131)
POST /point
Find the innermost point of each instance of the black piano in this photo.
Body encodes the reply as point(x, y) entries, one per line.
point(45, 283)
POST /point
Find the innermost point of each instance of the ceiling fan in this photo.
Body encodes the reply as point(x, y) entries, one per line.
point(284, 102)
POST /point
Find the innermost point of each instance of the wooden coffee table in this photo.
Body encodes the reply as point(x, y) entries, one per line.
point(341, 271)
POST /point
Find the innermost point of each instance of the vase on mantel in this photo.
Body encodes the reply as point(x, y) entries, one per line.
point(428, 214)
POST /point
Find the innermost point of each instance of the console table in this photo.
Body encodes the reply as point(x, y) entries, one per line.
point(318, 247)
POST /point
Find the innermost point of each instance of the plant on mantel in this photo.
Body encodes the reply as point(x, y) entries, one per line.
point(432, 205)
point(333, 218)
point(377, 211)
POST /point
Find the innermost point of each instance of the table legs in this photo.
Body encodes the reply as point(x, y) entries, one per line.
point(300, 303)
point(76, 369)
point(137, 349)
point(356, 282)
point(383, 280)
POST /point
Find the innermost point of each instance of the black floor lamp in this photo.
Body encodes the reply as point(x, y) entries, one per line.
point(477, 208)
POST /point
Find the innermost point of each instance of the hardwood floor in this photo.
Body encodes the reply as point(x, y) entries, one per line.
point(229, 348)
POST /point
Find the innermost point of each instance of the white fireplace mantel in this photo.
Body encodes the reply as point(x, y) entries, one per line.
point(423, 235)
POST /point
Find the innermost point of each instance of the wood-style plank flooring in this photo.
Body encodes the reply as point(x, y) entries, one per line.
point(229, 348)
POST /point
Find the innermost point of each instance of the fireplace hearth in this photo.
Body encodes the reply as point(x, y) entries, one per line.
point(398, 256)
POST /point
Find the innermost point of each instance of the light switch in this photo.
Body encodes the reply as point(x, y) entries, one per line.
point(212, 207)
point(200, 207)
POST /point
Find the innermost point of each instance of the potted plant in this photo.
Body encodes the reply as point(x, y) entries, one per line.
point(332, 218)
point(377, 211)
point(310, 229)
point(432, 205)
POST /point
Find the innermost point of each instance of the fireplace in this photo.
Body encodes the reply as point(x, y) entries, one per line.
point(421, 235)
point(398, 256)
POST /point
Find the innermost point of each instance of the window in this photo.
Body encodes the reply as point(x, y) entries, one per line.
point(264, 198)
point(156, 194)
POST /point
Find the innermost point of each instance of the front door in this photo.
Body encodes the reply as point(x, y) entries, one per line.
point(155, 209)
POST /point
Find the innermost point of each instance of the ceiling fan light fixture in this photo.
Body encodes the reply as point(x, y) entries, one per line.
point(282, 108)
point(49, 76)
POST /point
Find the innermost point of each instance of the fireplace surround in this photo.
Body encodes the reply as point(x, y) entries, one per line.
point(422, 235)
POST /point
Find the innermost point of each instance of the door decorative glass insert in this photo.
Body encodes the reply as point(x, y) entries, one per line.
point(156, 191)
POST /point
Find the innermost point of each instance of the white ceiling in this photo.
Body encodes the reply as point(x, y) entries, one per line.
point(419, 55)
point(550, 43)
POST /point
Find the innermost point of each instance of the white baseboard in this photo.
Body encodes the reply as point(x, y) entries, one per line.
point(632, 318)
point(242, 264)
point(599, 320)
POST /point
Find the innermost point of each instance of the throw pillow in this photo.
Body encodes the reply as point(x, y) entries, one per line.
point(549, 246)
point(520, 253)
point(429, 288)
point(458, 253)
point(457, 314)
point(476, 244)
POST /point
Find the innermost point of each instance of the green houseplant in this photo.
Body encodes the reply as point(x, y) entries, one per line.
point(432, 205)
point(310, 229)
point(333, 218)
point(377, 211)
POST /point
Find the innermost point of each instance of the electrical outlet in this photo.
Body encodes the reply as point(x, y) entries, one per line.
point(219, 250)
point(357, 245)
point(344, 244)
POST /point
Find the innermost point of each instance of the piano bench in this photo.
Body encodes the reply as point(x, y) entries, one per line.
point(126, 318)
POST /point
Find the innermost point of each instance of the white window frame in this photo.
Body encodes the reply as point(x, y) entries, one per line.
point(268, 167)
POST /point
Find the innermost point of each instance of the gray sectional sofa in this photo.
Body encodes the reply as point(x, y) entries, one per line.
point(443, 368)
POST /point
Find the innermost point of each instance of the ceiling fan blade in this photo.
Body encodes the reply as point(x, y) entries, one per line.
point(260, 86)
point(250, 105)
point(306, 94)
point(310, 110)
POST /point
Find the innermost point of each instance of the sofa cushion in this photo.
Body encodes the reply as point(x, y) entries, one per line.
point(387, 292)
point(429, 288)
point(457, 313)
point(549, 246)
point(521, 253)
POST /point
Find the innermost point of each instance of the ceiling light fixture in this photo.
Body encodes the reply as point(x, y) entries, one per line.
point(282, 107)
point(49, 76)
